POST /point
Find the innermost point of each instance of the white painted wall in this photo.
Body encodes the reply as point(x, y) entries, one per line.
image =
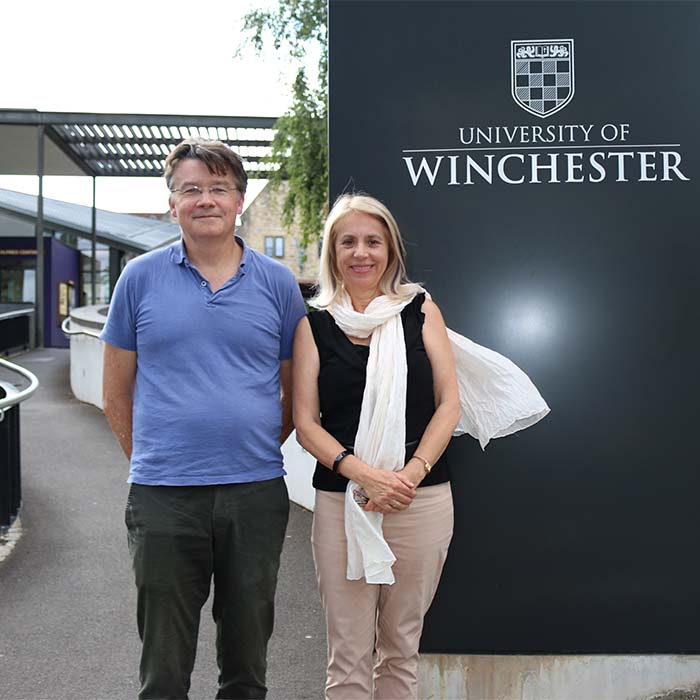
point(86, 368)
point(300, 469)
point(86, 354)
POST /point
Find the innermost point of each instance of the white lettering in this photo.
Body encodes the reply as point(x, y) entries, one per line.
point(453, 170)
point(620, 155)
point(471, 135)
point(502, 168)
point(485, 174)
point(563, 133)
point(586, 131)
point(511, 134)
point(551, 133)
point(571, 166)
point(645, 166)
point(607, 128)
point(667, 166)
point(423, 168)
point(483, 136)
point(535, 167)
point(597, 166)
point(544, 167)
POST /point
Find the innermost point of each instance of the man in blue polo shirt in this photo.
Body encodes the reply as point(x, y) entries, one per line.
point(197, 389)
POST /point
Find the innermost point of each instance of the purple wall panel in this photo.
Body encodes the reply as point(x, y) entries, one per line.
point(62, 264)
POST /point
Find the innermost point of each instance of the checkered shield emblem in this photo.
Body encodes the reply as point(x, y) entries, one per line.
point(542, 74)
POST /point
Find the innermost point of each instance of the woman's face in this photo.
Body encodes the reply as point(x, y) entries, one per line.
point(361, 252)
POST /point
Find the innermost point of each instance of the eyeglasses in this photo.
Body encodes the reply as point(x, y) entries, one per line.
point(194, 192)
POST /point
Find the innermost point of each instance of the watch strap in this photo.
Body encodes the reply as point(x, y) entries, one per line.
point(339, 459)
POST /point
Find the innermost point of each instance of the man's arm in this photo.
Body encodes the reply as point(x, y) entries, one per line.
point(286, 399)
point(118, 379)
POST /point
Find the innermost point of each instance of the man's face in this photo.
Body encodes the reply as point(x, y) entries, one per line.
point(211, 213)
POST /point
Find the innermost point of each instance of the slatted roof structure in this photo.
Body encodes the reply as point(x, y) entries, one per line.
point(113, 145)
point(125, 145)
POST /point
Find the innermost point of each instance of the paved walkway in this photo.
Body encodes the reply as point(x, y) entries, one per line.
point(67, 621)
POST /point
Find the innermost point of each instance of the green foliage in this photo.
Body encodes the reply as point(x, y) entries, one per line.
point(293, 26)
point(300, 146)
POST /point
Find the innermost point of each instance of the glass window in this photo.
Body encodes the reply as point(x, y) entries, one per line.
point(102, 273)
point(17, 286)
point(274, 246)
point(29, 286)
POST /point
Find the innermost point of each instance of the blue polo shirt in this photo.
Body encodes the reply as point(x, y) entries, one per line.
point(207, 395)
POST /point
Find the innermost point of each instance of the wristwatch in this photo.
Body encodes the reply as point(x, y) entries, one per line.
point(339, 459)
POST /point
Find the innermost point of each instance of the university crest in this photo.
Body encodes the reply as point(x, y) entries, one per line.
point(542, 74)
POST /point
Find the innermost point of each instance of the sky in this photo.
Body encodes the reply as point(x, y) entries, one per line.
point(144, 57)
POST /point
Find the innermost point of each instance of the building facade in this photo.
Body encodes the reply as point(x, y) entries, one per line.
point(262, 229)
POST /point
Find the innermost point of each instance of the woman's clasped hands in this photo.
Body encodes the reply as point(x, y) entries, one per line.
point(388, 491)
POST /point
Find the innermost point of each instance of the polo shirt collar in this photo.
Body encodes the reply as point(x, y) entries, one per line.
point(178, 254)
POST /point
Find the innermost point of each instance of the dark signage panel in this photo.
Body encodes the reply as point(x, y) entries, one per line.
point(543, 162)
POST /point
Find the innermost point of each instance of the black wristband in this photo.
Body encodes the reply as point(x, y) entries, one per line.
point(339, 459)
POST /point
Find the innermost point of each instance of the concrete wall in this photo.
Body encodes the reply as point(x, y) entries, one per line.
point(86, 369)
point(86, 355)
point(447, 677)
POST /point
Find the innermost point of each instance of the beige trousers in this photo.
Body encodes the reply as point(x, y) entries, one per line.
point(374, 630)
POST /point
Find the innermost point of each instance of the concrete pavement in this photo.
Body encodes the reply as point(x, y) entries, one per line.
point(67, 604)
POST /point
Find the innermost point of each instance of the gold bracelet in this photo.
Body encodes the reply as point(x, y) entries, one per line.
point(426, 464)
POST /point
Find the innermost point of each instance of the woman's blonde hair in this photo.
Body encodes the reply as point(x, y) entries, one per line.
point(391, 284)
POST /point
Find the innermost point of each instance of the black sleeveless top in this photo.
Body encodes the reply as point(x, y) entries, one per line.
point(341, 384)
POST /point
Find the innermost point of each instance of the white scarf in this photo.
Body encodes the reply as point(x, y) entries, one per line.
point(496, 399)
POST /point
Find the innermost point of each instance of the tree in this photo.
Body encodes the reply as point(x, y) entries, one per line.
point(300, 145)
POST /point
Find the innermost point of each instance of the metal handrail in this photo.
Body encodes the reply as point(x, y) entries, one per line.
point(22, 395)
point(17, 312)
point(65, 327)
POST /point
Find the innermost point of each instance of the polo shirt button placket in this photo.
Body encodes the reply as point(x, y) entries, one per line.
point(209, 295)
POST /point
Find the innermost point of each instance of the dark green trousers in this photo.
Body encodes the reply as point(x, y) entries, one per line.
point(182, 537)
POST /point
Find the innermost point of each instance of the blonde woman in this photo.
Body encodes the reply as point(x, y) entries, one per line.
point(376, 402)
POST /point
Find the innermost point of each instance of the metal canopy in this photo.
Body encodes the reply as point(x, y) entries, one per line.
point(130, 145)
point(113, 145)
point(127, 232)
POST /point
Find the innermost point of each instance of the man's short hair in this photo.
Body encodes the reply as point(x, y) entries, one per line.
point(217, 156)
